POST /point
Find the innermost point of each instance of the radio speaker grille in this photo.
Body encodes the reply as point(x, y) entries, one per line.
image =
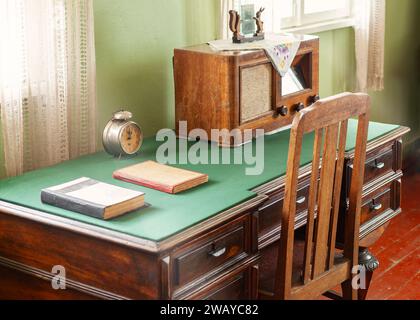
point(256, 91)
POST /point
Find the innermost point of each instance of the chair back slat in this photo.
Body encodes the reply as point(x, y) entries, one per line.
point(328, 118)
point(352, 227)
point(337, 191)
point(289, 212)
point(326, 186)
point(312, 201)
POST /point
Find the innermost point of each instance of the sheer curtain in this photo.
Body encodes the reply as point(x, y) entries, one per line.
point(47, 82)
point(225, 7)
point(370, 43)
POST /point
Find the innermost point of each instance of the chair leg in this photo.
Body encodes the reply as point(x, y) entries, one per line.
point(370, 264)
point(349, 293)
point(363, 292)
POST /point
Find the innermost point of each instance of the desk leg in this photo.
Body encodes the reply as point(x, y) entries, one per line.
point(370, 263)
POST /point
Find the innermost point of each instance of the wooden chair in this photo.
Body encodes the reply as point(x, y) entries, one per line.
point(322, 270)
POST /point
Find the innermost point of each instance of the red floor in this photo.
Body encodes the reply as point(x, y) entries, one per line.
point(398, 251)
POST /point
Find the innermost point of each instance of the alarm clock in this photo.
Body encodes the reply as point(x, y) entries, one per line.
point(121, 136)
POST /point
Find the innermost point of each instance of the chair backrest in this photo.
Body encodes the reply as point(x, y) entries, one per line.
point(328, 119)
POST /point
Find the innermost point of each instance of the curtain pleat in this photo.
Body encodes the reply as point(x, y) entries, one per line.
point(370, 44)
point(47, 82)
point(225, 7)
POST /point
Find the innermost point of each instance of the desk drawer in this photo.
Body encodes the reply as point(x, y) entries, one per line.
point(377, 203)
point(269, 213)
point(379, 163)
point(239, 284)
point(225, 246)
point(234, 289)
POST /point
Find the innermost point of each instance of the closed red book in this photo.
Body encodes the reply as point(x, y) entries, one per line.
point(161, 177)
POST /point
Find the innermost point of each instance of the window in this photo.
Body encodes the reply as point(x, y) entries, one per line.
point(313, 11)
point(287, 14)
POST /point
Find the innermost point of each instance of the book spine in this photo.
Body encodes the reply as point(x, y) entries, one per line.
point(72, 204)
point(146, 184)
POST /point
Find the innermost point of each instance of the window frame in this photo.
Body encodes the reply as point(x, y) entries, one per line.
point(309, 23)
point(315, 22)
point(325, 16)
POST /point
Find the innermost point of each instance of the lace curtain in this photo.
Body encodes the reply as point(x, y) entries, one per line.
point(370, 44)
point(225, 7)
point(47, 82)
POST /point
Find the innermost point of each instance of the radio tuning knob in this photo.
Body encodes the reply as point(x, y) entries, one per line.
point(299, 107)
point(283, 111)
point(315, 98)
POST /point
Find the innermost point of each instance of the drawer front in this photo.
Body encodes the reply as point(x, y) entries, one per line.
point(227, 245)
point(377, 203)
point(269, 213)
point(233, 289)
point(378, 163)
point(377, 208)
point(238, 284)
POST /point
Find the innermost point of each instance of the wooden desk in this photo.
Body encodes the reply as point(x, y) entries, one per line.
point(214, 242)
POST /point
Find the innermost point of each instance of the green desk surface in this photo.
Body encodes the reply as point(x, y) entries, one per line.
point(168, 214)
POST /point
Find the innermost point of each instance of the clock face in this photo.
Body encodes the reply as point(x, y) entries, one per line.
point(131, 138)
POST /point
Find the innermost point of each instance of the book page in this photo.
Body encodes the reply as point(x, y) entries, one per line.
point(104, 194)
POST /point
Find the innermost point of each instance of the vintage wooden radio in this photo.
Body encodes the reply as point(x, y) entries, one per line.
point(241, 89)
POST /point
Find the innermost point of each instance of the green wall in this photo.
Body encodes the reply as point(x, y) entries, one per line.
point(134, 44)
point(399, 102)
point(337, 63)
point(135, 41)
point(134, 55)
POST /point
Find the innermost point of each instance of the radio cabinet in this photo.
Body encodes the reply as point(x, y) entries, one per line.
point(241, 90)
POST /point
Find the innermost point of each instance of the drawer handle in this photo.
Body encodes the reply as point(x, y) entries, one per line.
point(218, 253)
point(376, 165)
point(379, 165)
point(376, 206)
point(301, 200)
